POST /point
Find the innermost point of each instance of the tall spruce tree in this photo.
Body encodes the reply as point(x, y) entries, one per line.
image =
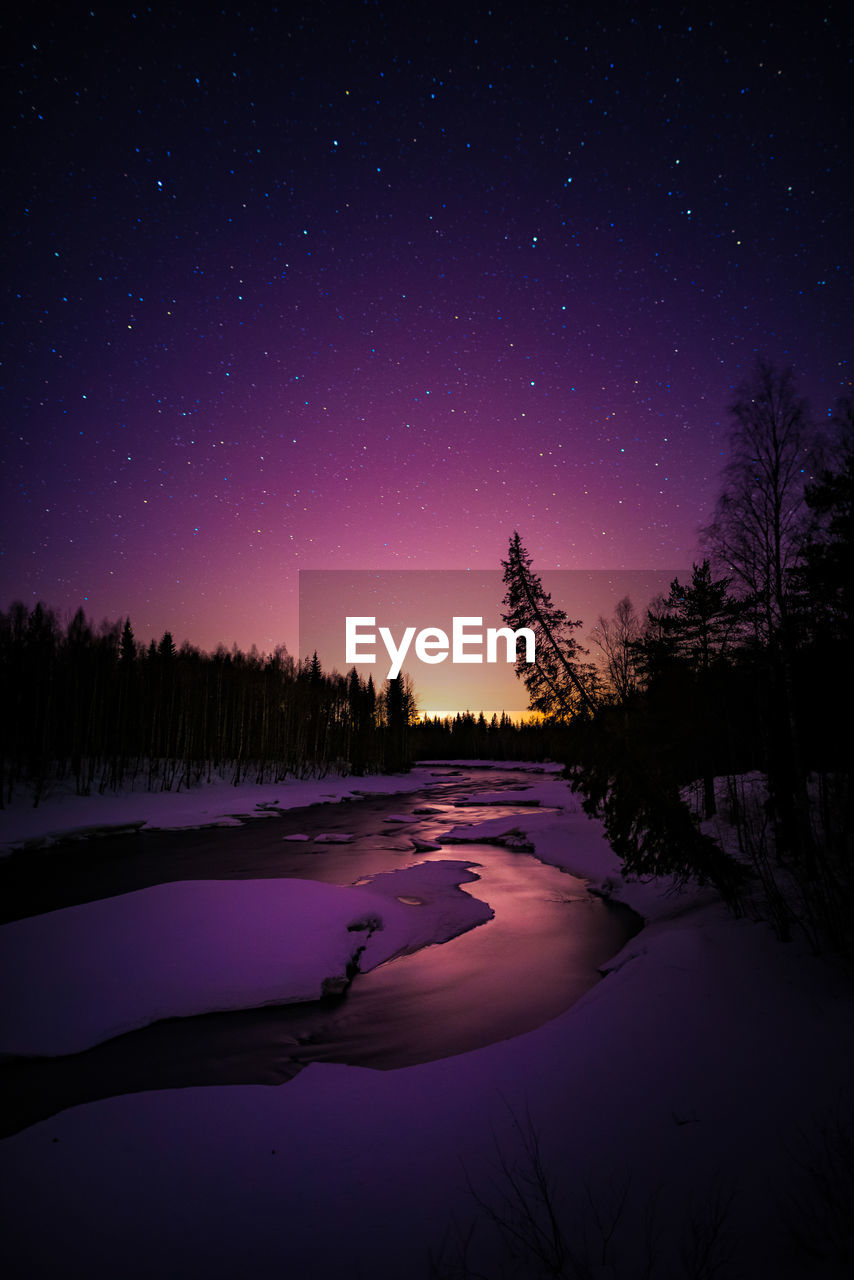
point(400, 714)
point(560, 686)
point(127, 647)
point(700, 617)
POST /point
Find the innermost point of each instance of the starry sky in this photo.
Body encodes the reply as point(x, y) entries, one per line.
point(371, 285)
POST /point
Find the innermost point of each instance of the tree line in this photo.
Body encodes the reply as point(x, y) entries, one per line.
point(741, 673)
point(735, 688)
point(92, 705)
point(466, 736)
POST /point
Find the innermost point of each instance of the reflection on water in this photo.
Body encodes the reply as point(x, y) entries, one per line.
point(538, 955)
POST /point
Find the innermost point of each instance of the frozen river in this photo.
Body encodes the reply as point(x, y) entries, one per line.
point(537, 955)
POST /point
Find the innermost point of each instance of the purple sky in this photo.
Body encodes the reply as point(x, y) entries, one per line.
point(373, 286)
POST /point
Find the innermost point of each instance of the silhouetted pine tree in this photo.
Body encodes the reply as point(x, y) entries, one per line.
point(127, 650)
point(691, 632)
point(399, 700)
point(559, 685)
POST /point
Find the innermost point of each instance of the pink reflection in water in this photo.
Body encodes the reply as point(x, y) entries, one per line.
point(538, 955)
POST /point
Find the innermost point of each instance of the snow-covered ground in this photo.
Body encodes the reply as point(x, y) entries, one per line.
point(82, 975)
point(695, 1076)
point(217, 803)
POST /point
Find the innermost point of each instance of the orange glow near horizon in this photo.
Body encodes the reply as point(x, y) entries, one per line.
point(399, 600)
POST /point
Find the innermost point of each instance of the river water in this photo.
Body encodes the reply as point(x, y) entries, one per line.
point(536, 957)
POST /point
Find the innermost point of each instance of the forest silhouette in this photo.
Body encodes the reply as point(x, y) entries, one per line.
point(745, 669)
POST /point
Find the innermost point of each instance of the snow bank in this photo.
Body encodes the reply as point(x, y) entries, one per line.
point(63, 815)
point(517, 766)
point(543, 792)
point(76, 977)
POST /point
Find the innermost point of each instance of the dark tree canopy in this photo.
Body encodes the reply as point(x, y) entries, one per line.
point(699, 619)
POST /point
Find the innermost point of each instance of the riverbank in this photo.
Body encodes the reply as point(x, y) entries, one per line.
point(676, 1100)
point(213, 802)
point(216, 802)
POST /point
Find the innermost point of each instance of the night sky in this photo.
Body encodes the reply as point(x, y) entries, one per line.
point(356, 286)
